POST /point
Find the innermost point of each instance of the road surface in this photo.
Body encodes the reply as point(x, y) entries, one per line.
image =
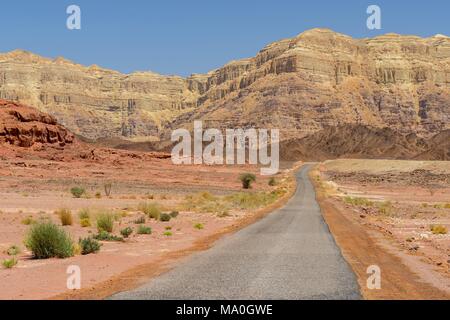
point(290, 254)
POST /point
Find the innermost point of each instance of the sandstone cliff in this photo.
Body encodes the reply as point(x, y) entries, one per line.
point(302, 85)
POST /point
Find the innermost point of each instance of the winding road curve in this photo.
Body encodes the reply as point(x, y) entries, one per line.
point(290, 254)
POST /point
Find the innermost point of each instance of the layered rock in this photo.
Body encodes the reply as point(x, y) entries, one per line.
point(24, 126)
point(302, 85)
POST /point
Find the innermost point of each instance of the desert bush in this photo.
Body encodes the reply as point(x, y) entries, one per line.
point(78, 192)
point(98, 195)
point(362, 202)
point(85, 223)
point(168, 233)
point(199, 226)
point(65, 215)
point(47, 240)
point(84, 214)
point(244, 200)
point(165, 217)
point(151, 209)
point(140, 220)
point(28, 221)
point(168, 228)
point(385, 208)
point(174, 214)
point(105, 222)
point(106, 236)
point(126, 232)
point(89, 245)
point(13, 250)
point(9, 263)
point(247, 179)
point(447, 206)
point(438, 229)
point(144, 230)
point(272, 182)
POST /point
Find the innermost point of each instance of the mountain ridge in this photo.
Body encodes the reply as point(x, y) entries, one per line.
point(300, 85)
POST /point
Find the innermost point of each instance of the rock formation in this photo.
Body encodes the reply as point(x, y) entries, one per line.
point(316, 80)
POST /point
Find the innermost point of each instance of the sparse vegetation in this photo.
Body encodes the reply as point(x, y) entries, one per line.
point(9, 263)
point(438, 229)
point(78, 192)
point(13, 250)
point(168, 228)
point(65, 215)
point(199, 226)
point(84, 214)
point(140, 220)
point(98, 195)
point(47, 240)
point(165, 217)
point(174, 214)
point(144, 230)
point(151, 209)
point(85, 223)
point(272, 182)
point(126, 232)
point(105, 222)
point(244, 200)
point(89, 245)
point(106, 236)
point(168, 233)
point(28, 221)
point(247, 179)
point(361, 202)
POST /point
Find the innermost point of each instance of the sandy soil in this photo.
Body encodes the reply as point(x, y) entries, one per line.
point(402, 200)
point(34, 186)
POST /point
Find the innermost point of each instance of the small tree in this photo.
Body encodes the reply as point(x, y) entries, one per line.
point(247, 179)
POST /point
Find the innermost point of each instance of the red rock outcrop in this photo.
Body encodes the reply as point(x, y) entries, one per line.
point(24, 126)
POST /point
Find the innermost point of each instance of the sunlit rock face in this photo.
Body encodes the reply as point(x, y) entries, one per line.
point(301, 85)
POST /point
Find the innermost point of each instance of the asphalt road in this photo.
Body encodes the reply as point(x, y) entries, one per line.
point(290, 254)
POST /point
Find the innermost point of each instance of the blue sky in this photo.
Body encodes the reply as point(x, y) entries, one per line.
point(183, 37)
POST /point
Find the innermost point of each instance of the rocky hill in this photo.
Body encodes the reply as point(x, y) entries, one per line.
point(303, 85)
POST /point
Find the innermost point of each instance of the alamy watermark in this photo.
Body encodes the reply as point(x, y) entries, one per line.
point(74, 20)
point(239, 145)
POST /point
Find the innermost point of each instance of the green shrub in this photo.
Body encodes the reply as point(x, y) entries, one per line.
point(126, 232)
point(85, 223)
point(150, 209)
point(106, 236)
point(28, 221)
point(78, 192)
point(13, 250)
point(438, 229)
point(89, 245)
point(105, 222)
point(144, 230)
point(47, 240)
point(9, 263)
point(167, 234)
point(165, 217)
point(174, 214)
point(199, 226)
point(272, 182)
point(65, 216)
point(140, 220)
point(84, 214)
point(247, 179)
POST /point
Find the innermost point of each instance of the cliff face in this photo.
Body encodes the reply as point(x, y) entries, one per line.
point(302, 85)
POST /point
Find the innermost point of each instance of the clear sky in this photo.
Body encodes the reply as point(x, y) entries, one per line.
point(183, 37)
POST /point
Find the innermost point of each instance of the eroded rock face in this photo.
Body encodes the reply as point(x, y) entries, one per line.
point(302, 85)
point(24, 126)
